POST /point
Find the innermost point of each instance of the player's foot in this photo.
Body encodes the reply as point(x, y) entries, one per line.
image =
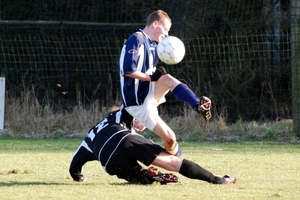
point(226, 179)
point(163, 178)
point(82, 179)
point(204, 107)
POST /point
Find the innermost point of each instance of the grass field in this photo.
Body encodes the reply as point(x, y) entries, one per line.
point(38, 169)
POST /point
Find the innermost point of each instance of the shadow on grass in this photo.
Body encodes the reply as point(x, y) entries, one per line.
point(134, 183)
point(17, 183)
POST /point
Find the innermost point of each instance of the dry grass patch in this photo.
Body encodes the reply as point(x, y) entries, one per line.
point(26, 116)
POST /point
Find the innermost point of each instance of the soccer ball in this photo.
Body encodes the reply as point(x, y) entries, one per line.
point(170, 50)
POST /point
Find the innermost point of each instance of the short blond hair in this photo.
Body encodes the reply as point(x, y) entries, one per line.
point(158, 15)
point(112, 109)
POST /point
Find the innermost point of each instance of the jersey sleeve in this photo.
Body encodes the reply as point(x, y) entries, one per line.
point(131, 54)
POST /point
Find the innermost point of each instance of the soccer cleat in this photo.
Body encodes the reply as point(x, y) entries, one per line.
point(226, 179)
point(163, 178)
point(82, 179)
point(204, 107)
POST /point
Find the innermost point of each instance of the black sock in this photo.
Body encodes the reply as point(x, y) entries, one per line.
point(192, 170)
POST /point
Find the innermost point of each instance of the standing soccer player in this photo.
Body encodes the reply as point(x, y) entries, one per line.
point(143, 85)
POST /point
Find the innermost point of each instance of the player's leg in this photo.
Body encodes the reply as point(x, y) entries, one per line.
point(180, 90)
point(167, 161)
point(189, 169)
point(128, 170)
point(163, 85)
point(123, 163)
point(137, 148)
point(147, 152)
point(166, 134)
point(147, 115)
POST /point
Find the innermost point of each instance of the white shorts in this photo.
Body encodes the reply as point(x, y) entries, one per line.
point(147, 113)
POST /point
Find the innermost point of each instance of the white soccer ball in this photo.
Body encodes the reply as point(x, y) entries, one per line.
point(170, 50)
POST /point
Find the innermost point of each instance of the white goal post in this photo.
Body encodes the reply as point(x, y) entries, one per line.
point(2, 101)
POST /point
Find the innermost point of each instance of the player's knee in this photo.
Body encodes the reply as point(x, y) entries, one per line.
point(171, 141)
point(169, 138)
point(167, 79)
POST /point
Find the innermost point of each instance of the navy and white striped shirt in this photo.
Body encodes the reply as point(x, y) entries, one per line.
point(138, 54)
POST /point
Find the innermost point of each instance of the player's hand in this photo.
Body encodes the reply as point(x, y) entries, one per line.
point(137, 126)
point(158, 73)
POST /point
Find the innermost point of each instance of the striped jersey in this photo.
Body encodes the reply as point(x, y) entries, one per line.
point(112, 128)
point(101, 141)
point(138, 54)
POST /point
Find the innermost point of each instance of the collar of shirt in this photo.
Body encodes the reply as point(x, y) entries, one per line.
point(152, 42)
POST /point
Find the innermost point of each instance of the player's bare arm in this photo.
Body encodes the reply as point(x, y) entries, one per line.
point(160, 71)
point(139, 75)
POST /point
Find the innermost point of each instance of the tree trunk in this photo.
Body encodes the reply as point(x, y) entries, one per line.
point(295, 42)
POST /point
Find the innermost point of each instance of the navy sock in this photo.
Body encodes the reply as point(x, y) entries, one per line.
point(184, 93)
point(192, 170)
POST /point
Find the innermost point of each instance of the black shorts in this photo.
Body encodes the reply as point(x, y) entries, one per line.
point(133, 148)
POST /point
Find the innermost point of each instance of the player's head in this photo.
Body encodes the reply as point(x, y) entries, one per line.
point(112, 109)
point(158, 25)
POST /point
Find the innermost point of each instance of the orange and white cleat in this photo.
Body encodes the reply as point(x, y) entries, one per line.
point(226, 179)
point(161, 177)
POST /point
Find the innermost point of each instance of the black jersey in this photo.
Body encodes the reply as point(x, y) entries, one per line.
point(119, 117)
point(112, 143)
point(113, 134)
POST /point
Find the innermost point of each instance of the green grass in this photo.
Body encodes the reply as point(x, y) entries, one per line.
point(38, 169)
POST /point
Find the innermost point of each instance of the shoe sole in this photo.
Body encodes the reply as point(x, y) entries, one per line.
point(163, 178)
point(228, 180)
